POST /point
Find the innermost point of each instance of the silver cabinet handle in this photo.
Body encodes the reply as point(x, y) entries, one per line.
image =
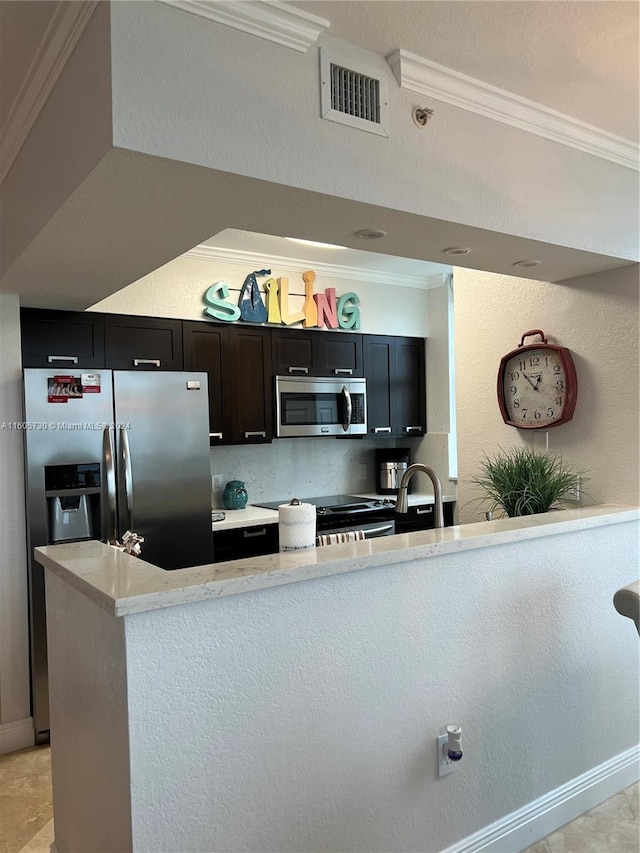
point(215, 435)
point(71, 358)
point(427, 511)
point(298, 370)
point(109, 532)
point(154, 361)
point(376, 430)
point(412, 429)
point(125, 456)
point(258, 434)
point(347, 397)
point(343, 371)
point(250, 534)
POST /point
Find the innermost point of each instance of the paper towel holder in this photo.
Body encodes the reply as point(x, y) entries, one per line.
point(294, 502)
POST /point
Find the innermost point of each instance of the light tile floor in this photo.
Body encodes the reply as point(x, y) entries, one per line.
point(26, 822)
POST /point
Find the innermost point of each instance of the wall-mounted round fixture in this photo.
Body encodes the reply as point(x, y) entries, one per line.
point(421, 115)
point(527, 264)
point(456, 250)
point(370, 234)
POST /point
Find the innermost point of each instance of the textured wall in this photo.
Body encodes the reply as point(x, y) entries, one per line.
point(177, 288)
point(596, 317)
point(14, 641)
point(304, 718)
point(89, 744)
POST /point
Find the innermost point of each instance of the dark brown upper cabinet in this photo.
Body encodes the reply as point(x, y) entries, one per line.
point(67, 340)
point(251, 384)
point(237, 360)
point(306, 353)
point(206, 348)
point(396, 392)
point(143, 343)
point(409, 387)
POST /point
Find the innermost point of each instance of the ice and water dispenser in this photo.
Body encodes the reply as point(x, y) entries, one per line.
point(73, 501)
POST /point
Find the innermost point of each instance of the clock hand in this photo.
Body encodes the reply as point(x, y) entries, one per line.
point(535, 387)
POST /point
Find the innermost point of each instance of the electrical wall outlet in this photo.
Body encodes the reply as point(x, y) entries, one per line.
point(362, 471)
point(216, 483)
point(574, 493)
point(445, 765)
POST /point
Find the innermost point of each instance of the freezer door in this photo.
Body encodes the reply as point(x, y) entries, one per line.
point(57, 434)
point(164, 479)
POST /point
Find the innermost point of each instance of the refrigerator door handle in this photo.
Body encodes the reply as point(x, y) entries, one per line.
point(125, 457)
point(109, 531)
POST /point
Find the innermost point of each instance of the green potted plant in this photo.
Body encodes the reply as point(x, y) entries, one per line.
point(524, 482)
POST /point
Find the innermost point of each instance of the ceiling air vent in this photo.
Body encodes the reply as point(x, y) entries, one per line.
point(352, 94)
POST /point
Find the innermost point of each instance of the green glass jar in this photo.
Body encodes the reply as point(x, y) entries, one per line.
point(235, 495)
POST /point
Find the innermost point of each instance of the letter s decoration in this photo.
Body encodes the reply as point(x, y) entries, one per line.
point(217, 306)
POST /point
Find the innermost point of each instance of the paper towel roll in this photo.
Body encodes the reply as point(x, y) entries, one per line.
point(297, 526)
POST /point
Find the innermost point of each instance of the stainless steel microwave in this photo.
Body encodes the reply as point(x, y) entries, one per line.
point(320, 405)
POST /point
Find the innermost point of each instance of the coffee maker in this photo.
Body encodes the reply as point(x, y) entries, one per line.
point(391, 463)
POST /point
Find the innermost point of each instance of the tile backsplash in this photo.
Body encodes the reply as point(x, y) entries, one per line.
point(298, 467)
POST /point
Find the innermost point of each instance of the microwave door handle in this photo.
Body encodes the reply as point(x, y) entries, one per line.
point(109, 533)
point(125, 458)
point(346, 424)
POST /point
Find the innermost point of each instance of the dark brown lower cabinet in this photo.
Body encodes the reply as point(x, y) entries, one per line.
point(423, 518)
point(242, 542)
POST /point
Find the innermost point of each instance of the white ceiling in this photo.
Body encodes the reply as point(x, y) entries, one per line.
point(269, 246)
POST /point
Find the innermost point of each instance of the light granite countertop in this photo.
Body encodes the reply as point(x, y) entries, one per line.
point(123, 584)
point(254, 516)
point(251, 516)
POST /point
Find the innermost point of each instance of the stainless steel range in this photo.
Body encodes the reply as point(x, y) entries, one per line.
point(338, 513)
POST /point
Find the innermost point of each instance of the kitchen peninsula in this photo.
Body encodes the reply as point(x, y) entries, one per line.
point(223, 713)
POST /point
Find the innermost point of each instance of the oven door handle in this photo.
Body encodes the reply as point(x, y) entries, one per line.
point(346, 424)
point(374, 532)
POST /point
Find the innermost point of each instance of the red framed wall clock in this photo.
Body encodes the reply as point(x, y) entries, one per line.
point(537, 384)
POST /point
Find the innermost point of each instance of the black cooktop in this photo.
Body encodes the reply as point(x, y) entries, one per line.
point(333, 504)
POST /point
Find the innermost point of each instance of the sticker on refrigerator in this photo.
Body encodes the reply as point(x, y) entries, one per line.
point(90, 383)
point(61, 388)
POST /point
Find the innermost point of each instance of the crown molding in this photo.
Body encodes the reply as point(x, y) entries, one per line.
point(297, 265)
point(272, 20)
point(444, 84)
point(61, 36)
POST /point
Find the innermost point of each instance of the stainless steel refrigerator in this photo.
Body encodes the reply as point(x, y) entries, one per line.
point(106, 452)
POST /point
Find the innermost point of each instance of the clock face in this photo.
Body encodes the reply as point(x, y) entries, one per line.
point(535, 388)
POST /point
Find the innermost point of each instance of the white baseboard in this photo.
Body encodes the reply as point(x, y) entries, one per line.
point(543, 816)
point(16, 735)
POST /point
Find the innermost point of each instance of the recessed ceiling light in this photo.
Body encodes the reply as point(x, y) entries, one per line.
point(456, 250)
point(527, 263)
point(370, 234)
point(315, 243)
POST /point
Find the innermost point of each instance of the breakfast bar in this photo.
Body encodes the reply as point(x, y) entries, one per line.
point(292, 702)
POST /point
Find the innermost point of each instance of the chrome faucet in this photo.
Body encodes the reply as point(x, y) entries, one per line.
point(402, 503)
